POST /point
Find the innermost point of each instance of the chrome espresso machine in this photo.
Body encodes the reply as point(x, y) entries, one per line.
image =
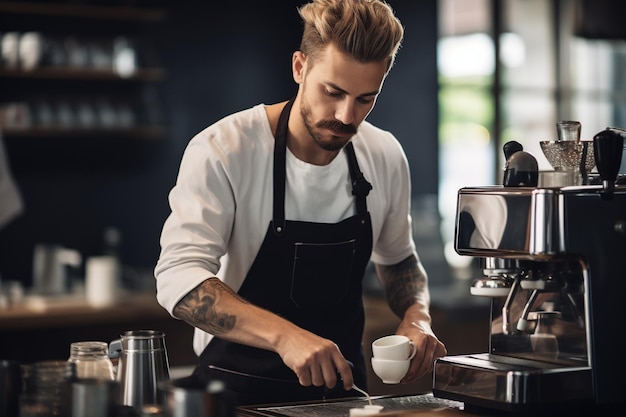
point(554, 264)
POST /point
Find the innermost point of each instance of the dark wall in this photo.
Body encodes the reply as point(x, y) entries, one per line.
point(219, 60)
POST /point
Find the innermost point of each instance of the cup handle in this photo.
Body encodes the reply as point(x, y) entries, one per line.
point(413, 349)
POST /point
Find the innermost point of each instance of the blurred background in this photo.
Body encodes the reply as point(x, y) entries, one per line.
point(98, 100)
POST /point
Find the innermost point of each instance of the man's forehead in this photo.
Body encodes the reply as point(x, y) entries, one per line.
point(339, 70)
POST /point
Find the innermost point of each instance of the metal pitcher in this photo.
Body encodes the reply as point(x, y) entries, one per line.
point(49, 268)
point(142, 366)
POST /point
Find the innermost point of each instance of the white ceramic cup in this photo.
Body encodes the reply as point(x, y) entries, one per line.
point(394, 347)
point(102, 280)
point(390, 371)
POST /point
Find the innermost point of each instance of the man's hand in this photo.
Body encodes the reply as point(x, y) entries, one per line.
point(427, 345)
point(406, 289)
point(315, 360)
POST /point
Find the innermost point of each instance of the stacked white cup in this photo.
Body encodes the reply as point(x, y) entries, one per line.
point(391, 357)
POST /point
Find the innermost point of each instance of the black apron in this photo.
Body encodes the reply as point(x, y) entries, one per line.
point(309, 273)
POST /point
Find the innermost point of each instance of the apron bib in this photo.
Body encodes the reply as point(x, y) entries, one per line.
point(309, 273)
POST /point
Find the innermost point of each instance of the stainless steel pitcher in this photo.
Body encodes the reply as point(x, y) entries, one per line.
point(142, 365)
point(49, 268)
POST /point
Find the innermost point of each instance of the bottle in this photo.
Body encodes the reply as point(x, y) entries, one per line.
point(91, 360)
point(112, 238)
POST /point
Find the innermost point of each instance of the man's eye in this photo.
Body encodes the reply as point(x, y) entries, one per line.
point(333, 93)
point(364, 100)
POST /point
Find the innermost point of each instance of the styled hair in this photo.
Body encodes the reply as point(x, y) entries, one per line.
point(366, 30)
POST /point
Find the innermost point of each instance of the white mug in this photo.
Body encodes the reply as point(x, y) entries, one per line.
point(102, 278)
point(394, 347)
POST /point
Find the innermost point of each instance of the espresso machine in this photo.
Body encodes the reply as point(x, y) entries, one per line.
point(554, 264)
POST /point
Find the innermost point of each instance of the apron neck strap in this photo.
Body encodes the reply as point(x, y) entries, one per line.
point(280, 160)
point(360, 186)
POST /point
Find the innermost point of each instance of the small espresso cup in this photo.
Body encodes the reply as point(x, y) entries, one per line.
point(394, 347)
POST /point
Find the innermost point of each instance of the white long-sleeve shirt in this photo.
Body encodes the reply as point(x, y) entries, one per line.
point(222, 202)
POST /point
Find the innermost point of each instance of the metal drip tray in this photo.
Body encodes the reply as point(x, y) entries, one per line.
point(340, 408)
point(505, 383)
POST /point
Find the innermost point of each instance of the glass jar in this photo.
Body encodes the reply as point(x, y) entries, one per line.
point(91, 360)
point(45, 388)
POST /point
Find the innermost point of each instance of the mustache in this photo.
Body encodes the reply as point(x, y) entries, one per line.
point(337, 125)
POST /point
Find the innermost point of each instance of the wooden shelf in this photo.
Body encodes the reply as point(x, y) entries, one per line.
point(42, 106)
point(57, 9)
point(83, 74)
point(44, 330)
point(75, 311)
point(140, 132)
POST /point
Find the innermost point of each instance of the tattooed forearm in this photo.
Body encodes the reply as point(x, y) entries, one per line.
point(404, 284)
point(200, 307)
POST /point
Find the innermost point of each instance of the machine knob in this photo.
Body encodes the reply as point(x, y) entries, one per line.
point(608, 146)
point(510, 148)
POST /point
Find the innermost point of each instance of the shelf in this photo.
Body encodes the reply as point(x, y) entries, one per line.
point(83, 74)
point(142, 132)
point(120, 13)
point(68, 319)
point(67, 310)
point(69, 102)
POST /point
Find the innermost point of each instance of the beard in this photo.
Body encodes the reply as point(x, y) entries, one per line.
point(324, 140)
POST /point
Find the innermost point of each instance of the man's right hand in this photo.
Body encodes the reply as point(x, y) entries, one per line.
point(315, 360)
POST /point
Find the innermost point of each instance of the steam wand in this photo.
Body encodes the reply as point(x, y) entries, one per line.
point(522, 323)
point(580, 321)
point(506, 308)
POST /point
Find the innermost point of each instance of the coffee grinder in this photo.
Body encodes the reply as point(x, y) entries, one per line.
point(554, 264)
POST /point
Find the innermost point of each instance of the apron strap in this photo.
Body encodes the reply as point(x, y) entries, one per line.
point(280, 161)
point(360, 186)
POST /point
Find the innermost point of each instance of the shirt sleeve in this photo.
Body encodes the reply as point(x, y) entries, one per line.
point(195, 233)
point(395, 242)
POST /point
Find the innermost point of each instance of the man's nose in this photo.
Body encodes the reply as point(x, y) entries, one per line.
point(345, 112)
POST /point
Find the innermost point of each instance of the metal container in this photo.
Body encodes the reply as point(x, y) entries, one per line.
point(186, 397)
point(143, 364)
point(92, 398)
point(10, 388)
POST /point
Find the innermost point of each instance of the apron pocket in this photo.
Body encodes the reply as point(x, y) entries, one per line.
point(321, 272)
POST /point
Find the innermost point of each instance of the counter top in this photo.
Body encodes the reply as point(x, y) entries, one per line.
point(421, 405)
point(59, 321)
point(73, 310)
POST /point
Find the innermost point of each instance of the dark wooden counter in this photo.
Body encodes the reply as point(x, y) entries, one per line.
point(43, 329)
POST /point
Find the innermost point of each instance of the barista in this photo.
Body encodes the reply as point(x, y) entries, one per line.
point(278, 209)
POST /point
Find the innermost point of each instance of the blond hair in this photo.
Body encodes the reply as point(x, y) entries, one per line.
point(366, 30)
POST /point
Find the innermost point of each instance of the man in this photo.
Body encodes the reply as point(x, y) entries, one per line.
point(278, 309)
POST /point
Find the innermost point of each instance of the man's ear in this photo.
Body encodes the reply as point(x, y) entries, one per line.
point(298, 66)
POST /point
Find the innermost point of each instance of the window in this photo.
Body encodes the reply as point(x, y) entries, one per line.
point(541, 71)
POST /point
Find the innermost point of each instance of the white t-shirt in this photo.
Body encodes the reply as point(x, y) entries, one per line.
point(222, 202)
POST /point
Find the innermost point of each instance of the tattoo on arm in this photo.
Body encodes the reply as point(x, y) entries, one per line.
point(404, 284)
point(200, 307)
